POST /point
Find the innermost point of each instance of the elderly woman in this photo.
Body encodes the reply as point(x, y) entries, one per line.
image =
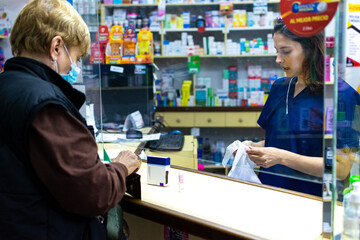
point(52, 183)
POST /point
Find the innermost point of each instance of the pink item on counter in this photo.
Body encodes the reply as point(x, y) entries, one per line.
point(200, 167)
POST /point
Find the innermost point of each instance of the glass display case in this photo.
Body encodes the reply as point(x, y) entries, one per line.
point(220, 93)
point(342, 138)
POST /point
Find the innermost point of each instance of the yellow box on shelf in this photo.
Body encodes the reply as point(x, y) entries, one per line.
point(114, 47)
point(144, 46)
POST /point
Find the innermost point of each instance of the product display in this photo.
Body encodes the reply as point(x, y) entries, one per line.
point(97, 53)
point(144, 46)
point(221, 39)
point(5, 24)
point(351, 218)
point(129, 45)
point(204, 56)
point(114, 46)
point(234, 90)
point(2, 60)
point(119, 47)
point(346, 198)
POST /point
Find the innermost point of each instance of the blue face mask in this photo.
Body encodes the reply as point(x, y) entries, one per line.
point(71, 77)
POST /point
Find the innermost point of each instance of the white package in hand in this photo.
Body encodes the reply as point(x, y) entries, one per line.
point(242, 167)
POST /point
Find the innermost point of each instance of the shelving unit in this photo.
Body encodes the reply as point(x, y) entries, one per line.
point(234, 121)
point(209, 109)
point(119, 88)
point(210, 116)
point(198, 116)
point(192, 30)
point(183, 4)
point(221, 56)
point(163, 31)
point(250, 28)
point(328, 136)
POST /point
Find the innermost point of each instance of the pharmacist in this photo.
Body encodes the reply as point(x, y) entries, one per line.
point(293, 117)
point(53, 186)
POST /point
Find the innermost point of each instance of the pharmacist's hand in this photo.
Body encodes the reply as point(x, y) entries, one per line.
point(129, 159)
point(246, 143)
point(265, 156)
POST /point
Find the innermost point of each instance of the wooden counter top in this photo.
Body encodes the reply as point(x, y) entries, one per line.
point(216, 208)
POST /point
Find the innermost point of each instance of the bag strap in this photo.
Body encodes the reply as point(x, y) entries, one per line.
point(114, 224)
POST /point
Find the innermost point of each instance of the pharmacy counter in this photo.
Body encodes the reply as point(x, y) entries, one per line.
point(187, 157)
point(212, 207)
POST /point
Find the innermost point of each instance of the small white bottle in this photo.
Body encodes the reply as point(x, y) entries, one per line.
point(351, 218)
point(181, 182)
point(80, 7)
point(92, 7)
point(270, 41)
point(86, 7)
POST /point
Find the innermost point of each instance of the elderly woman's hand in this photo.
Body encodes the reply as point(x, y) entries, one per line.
point(129, 159)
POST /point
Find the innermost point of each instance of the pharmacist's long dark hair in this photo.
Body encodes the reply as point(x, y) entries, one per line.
point(314, 55)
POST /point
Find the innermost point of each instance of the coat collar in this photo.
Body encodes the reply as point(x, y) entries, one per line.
point(42, 71)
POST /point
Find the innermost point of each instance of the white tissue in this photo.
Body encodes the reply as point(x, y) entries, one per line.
point(242, 167)
point(142, 155)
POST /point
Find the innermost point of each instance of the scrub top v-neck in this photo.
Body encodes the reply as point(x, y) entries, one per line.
point(294, 124)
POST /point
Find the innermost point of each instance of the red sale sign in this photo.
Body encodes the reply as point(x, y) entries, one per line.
point(305, 17)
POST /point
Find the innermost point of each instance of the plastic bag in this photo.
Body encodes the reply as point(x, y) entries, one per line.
point(242, 167)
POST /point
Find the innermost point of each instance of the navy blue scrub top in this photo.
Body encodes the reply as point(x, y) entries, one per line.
point(296, 125)
point(348, 122)
point(301, 129)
